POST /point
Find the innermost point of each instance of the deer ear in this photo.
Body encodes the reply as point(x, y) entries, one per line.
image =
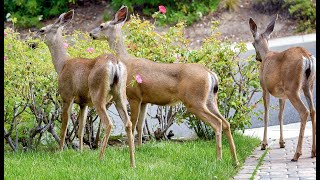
point(65, 18)
point(253, 27)
point(121, 15)
point(270, 26)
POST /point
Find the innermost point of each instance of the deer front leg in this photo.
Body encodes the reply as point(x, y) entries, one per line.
point(282, 103)
point(66, 111)
point(266, 102)
point(82, 122)
point(135, 110)
point(142, 116)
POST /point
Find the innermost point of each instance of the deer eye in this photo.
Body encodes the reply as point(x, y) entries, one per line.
point(101, 26)
point(41, 31)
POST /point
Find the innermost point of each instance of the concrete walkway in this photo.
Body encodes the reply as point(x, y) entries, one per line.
point(277, 164)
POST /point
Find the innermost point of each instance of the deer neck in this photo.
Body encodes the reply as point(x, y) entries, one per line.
point(116, 43)
point(264, 50)
point(58, 52)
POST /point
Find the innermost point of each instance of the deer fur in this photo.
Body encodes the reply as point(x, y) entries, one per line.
point(166, 84)
point(284, 75)
point(88, 82)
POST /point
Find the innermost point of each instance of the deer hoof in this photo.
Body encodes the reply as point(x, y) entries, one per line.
point(100, 156)
point(313, 154)
point(296, 157)
point(282, 144)
point(263, 146)
point(236, 164)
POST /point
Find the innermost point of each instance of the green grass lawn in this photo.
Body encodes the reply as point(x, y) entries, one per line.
point(154, 160)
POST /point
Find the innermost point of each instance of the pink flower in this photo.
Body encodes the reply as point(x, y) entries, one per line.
point(65, 45)
point(5, 58)
point(162, 9)
point(90, 50)
point(9, 46)
point(138, 78)
point(5, 34)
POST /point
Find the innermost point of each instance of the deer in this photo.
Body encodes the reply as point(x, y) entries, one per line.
point(284, 75)
point(87, 82)
point(166, 84)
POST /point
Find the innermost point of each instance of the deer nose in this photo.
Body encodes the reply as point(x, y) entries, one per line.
point(91, 35)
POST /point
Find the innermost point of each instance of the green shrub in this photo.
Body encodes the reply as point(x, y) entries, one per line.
point(29, 13)
point(176, 11)
point(305, 12)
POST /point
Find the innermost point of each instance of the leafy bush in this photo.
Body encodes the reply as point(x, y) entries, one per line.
point(176, 11)
point(29, 13)
point(30, 88)
point(305, 12)
point(32, 103)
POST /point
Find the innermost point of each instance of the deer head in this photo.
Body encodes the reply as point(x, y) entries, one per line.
point(52, 35)
point(260, 42)
point(108, 29)
point(51, 31)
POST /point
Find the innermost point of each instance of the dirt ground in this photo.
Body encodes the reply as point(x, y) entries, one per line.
point(233, 25)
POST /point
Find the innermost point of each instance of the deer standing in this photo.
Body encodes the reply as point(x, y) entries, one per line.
point(164, 84)
point(88, 82)
point(283, 75)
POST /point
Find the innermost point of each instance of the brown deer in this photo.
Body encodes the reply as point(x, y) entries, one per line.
point(283, 75)
point(164, 84)
point(88, 82)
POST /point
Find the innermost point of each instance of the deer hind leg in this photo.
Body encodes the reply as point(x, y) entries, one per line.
point(66, 111)
point(266, 102)
point(308, 92)
point(226, 129)
point(304, 113)
point(82, 122)
point(203, 113)
point(123, 113)
point(99, 102)
point(99, 128)
point(135, 111)
point(141, 119)
point(282, 103)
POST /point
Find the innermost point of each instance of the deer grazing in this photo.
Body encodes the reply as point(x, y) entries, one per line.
point(164, 84)
point(283, 75)
point(88, 82)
